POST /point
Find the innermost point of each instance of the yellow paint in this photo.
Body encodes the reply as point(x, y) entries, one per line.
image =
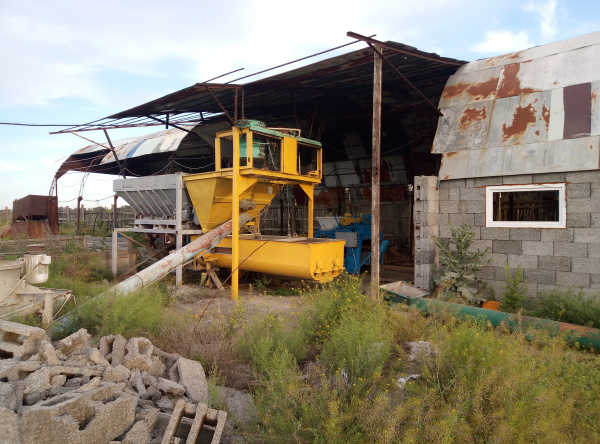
point(235, 208)
point(299, 257)
point(290, 155)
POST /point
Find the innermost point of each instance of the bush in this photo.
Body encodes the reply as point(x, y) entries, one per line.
point(360, 344)
point(568, 305)
point(515, 291)
point(456, 281)
point(129, 315)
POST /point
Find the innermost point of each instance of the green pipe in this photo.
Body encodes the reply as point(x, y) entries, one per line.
point(584, 336)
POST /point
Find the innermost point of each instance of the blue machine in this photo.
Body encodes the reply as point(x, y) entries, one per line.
point(354, 229)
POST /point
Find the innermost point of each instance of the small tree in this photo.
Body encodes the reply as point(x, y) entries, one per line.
point(515, 290)
point(455, 280)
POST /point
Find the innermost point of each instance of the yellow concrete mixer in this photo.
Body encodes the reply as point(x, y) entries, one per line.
point(252, 164)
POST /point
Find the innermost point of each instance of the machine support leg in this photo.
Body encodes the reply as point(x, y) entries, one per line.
point(235, 210)
point(178, 235)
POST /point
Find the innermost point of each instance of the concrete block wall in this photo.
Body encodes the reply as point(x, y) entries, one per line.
point(551, 258)
point(426, 221)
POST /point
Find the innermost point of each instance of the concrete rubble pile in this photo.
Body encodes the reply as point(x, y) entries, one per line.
point(125, 391)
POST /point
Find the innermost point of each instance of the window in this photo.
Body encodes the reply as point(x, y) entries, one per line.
point(526, 206)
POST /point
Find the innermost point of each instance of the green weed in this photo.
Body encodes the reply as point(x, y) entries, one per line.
point(515, 291)
point(567, 305)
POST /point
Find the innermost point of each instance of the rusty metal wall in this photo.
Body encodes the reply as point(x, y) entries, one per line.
point(532, 111)
point(38, 209)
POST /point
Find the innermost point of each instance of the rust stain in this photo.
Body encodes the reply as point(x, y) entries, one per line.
point(511, 85)
point(471, 115)
point(537, 133)
point(522, 117)
point(450, 154)
point(499, 59)
point(477, 90)
point(446, 176)
point(546, 116)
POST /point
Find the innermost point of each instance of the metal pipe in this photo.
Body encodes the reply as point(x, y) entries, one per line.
point(584, 336)
point(157, 270)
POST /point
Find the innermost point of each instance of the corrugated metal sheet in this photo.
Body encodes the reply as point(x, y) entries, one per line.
point(531, 111)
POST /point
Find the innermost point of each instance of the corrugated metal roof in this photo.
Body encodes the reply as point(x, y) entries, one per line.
point(531, 111)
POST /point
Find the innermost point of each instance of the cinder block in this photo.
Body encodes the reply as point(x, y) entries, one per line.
point(118, 350)
point(508, 247)
point(595, 280)
point(583, 205)
point(534, 248)
point(454, 183)
point(459, 219)
point(487, 181)
point(427, 206)
point(521, 179)
point(579, 220)
point(595, 220)
point(583, 176)
point(179, 423)
point(586, 235)
point(454, 194)
point(494, 233)
point(449, 206)
point(585, 265)
point(595, 190)
point(469, 183)
point(424, 276)
point(549, 178)
point(476, 206)
point(477, 194)
point(424, 257)
point(570, 249)
point(100, 415)
point(486, 273)
point(554, 263)
point(75, 343)
point(528, 234)
point(191, 376)
point(578, 190)
point(11, 426)
point(479, 219)
point(546, 277)
point(21, 341)
point(443, 194)
point(139, 354)
point(525, 261)
point(557, 235)
point(497, 260)
point(593, 251)
point(500, 273)
point(481, 245)
point(570, 279)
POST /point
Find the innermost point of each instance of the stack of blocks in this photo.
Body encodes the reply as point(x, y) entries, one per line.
point(426, 228)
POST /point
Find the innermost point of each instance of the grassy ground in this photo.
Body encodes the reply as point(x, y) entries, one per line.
point(323, 366)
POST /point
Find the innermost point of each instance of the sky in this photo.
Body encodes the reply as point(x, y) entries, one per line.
point(72, 62)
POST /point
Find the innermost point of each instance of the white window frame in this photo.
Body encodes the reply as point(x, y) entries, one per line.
point(562, 202)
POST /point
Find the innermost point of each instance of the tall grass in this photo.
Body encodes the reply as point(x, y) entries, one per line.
point(485, 385)
point(568, 305)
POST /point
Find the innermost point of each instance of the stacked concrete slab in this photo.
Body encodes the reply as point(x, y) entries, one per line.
point(122, 391)
point(426, 228)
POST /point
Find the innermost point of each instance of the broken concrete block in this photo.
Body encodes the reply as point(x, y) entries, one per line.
point(421, 354)
point(10, 423)
point(93, 384)
point(8, 396)
point(48, 353)
point(148, 379)
point(38, 381)
point(240, 405)
point(99, 415)
point(77, 342)
point(118, 350)
point(112, 375)
point(58, 380)
point(169, 359)
point(179, 423)
point(77, 361)
point(153, 393)
point(157, 368)
point(138, 384)
point(167, 386)
point(97, 357)
point(105, 344)
point(190, 375)
point(73, 382)
point(139, 354)
point(165, 404)
point(20, 341)
point(70, 370)
point(141, 432)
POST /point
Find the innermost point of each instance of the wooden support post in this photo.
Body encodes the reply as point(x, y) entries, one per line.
point(375, 177)
point(235, 210)
point(178, 235)
point(79, 199)
point(7, 221)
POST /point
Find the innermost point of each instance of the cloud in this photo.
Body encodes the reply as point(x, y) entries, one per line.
point(501, 42)
point(547, 16)
point(7, 166)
